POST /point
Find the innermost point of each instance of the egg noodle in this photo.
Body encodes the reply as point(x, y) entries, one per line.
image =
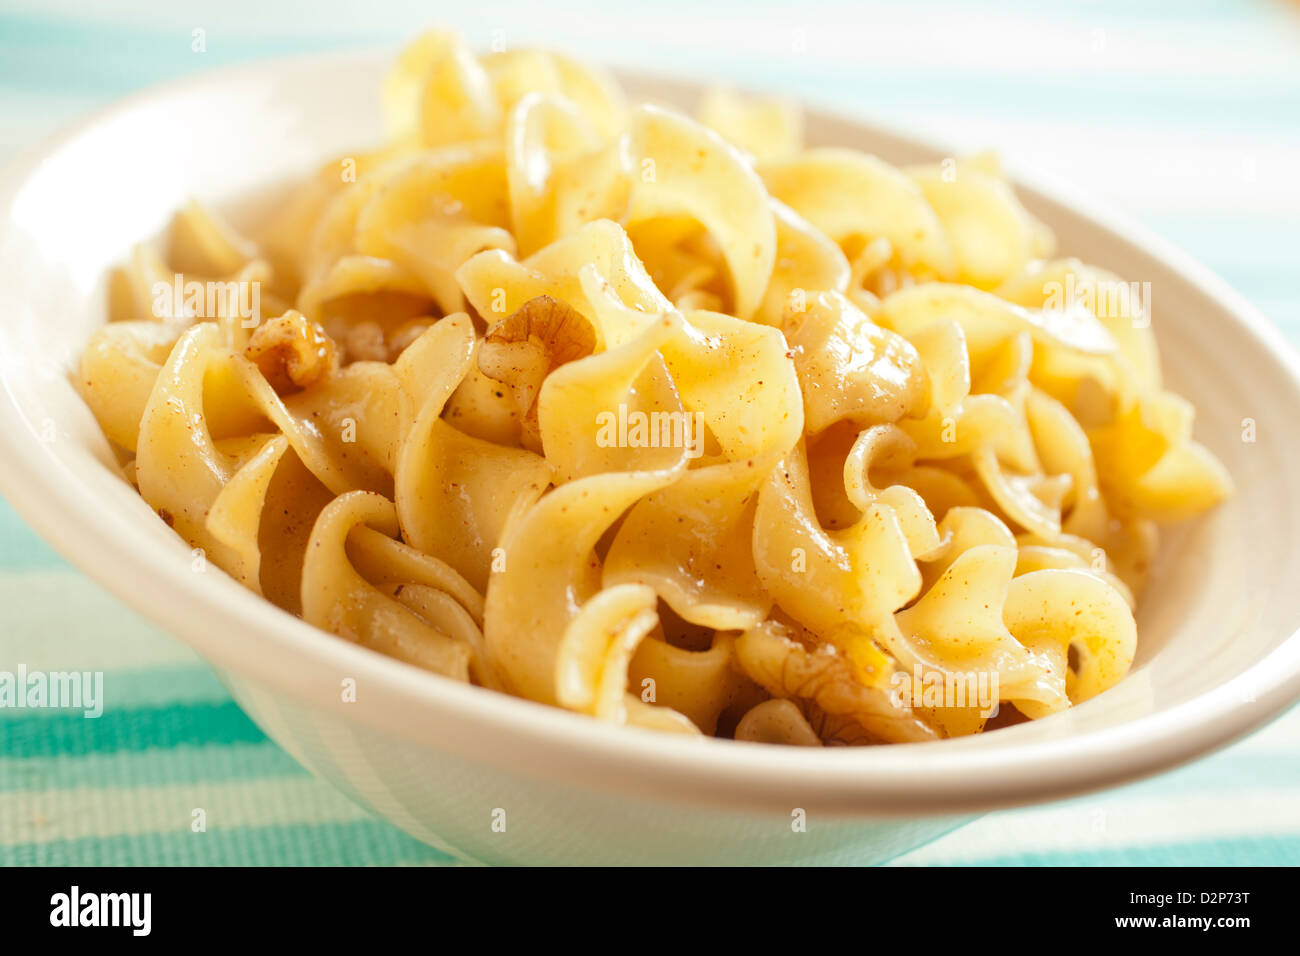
point(667, 421)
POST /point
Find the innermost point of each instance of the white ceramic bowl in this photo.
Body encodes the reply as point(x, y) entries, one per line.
point(1217, 653)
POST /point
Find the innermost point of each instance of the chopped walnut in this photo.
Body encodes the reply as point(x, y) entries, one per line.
point(364, 342)
point(523, 348)
point(819, 679)
point(292, 351)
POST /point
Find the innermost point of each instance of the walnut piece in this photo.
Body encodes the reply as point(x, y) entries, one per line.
point(790, 665)
point(523, 348)
point(292, 351)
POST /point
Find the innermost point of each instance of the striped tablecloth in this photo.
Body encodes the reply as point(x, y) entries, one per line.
point(1184, 111)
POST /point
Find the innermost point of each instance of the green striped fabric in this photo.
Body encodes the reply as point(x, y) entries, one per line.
point(1186, 112)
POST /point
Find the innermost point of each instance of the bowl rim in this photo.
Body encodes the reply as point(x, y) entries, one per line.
point(240, 632)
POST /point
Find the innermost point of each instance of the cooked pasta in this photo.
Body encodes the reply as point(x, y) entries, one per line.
point(671, 422)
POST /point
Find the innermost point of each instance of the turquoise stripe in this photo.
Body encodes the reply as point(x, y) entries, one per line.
point(159, 686)
point(1100, 12)
point(1127, 13)
point(1231, 102)
point(112, 59)
point(57, 733)
point(359, 843)
point(1231, 770)
point(1255, 282)
point(1255, 257)
point(1255, 850)
point(1226, 230)
point(20, 547)
point(219, 761)
point(371, 843)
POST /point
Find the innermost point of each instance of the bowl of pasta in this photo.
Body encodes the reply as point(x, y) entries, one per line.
point(575, 469)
